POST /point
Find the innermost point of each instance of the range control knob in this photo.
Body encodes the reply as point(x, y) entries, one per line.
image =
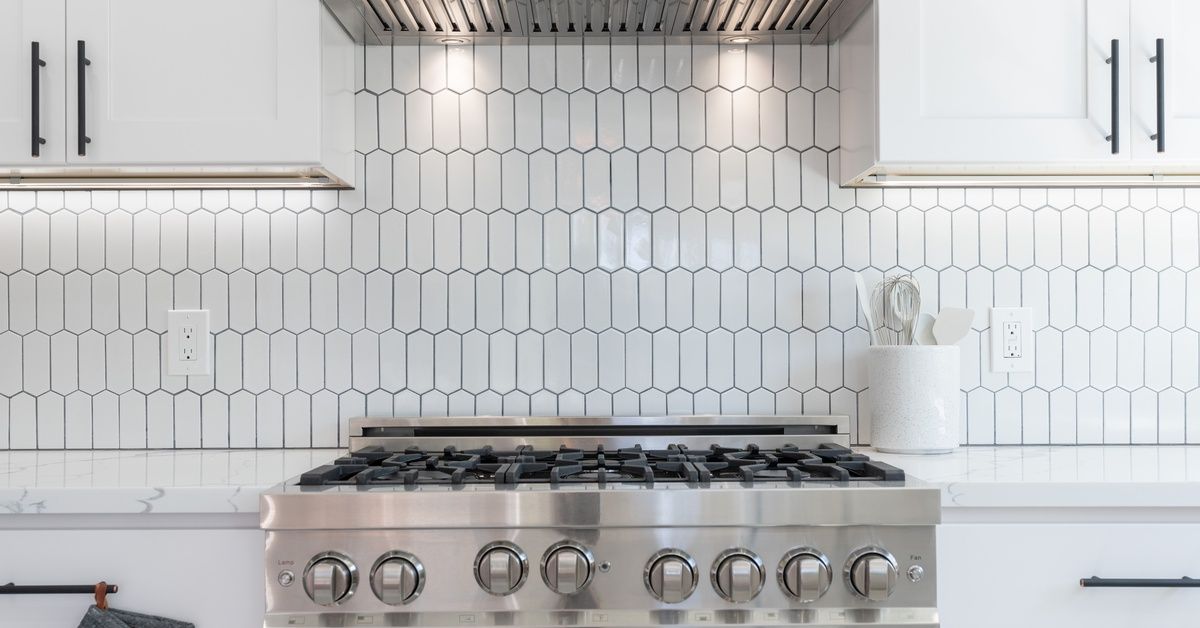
point(567, 568)
point(737, 575)
point(804, 574)
point(330, 578)
point(397, 578)
point(671, 576)
point(871, 573)
point(501, 568)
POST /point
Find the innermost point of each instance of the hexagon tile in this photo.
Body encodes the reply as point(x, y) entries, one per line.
point(583, 228)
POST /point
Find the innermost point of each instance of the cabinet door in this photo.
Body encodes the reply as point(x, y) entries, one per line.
point(986, 82)
point(1006, 575)
point(179, 82)
point(1176, 23)
point(22, 24)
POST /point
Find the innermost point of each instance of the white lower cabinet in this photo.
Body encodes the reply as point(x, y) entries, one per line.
point(1027, 575)
point(211, 577)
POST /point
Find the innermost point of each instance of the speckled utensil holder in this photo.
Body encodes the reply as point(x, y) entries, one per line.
point(914, 398)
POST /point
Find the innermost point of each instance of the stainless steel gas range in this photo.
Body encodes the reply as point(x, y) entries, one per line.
point(599, 521)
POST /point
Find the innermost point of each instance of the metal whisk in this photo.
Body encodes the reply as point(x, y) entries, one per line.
point(895, 305)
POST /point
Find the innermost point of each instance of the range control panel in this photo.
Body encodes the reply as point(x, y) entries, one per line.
point(633, 576)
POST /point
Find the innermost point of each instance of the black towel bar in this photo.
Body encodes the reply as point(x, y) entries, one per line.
point(1140, 583)
point(90, 589)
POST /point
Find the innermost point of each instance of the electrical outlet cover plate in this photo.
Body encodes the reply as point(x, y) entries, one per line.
point(1012, 340)
point(188, 344)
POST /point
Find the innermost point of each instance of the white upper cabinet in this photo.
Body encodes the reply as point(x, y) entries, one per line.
point(26, 26)
point(175, 93)
point(987, 81)
point(981, 92)
point(1175, 22)
point(184, 82)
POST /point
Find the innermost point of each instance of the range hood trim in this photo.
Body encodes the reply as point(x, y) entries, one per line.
point(377, 22)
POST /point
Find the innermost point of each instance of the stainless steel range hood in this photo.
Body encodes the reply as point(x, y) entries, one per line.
point(742, 21)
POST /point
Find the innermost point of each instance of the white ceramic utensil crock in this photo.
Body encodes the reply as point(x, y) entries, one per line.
point(914, 398)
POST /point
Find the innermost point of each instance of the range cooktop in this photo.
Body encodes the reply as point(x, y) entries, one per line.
point(375, 466)
point(619, 522)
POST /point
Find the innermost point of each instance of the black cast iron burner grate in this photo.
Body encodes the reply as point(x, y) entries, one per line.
point(376, 466)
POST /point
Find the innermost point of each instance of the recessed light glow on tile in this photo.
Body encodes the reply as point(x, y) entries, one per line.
point(740, 40)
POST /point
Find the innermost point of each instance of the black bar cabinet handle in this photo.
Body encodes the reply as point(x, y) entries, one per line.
point(52, 589)
point(1140, 583)
point(81, 62)
point(1114, 62)
point(1159, 59)
point(35, 89)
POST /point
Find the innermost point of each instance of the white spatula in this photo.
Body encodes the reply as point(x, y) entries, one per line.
point(923, 330)
point(864, 301)
point(952, 325)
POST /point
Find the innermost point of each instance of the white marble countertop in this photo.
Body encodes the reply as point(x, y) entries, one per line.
point(1110, 476)
point(185, 481)
point(229, 481)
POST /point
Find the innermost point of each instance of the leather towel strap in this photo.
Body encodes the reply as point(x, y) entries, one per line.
point(102, 595)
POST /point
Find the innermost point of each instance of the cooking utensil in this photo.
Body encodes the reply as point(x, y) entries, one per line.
point(904, 298)
point(883, 315)
point(864, 302)
point(923, 330)
point(895, 303)
point(952, 325)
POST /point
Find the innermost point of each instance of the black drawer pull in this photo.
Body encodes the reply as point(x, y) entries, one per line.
point(1140, 583)
point(81, 88)
point(35, 89)
point(1114, 62)
point(1160, 114)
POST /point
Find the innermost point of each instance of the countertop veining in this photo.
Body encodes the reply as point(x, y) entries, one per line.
point(147, 481)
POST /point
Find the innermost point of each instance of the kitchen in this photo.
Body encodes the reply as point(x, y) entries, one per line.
point(246, 251)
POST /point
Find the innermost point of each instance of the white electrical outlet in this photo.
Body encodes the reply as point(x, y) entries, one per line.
point(1012, 340)
point(188, 351)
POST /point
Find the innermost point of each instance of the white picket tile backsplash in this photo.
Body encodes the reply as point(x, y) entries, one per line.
point(583, 228)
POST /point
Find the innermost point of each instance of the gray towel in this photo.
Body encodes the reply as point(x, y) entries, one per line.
point(113, 618)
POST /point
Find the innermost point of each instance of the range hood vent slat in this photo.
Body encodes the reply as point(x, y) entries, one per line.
point(404, 16)
point(387, 18)
point(794, 7)
point(810, 12)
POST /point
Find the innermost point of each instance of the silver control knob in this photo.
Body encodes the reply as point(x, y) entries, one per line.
point(397, 578)
point(671, 576)
point(737, 575)
point(329, 578)
point(804, 574)
point(567, 568)
point(501, 568)
point(872, 574)
point(915, 573)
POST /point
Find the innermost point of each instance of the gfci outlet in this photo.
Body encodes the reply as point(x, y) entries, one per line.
point(188, 344)
point(1012, 340)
